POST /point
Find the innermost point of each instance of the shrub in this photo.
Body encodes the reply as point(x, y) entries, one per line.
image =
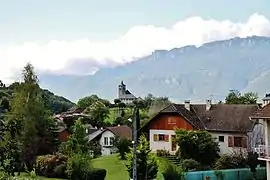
point(172, 172)
point(79, 167)
point(123, 146)
point(190, 165)
point(162, 153)
point(52, 165)
point(231, 161)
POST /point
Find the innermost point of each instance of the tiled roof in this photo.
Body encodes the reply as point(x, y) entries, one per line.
point(264, 112)
point(220, 117)
point(226, 117)
point(122, 131)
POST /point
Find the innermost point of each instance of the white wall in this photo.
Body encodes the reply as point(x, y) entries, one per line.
point(224, 149)
point(160, 145)
point(106, 150)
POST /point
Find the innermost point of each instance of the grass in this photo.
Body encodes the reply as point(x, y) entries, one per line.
point(116, 169)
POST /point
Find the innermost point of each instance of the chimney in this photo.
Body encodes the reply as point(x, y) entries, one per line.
point(187, 104)
point(208, 104)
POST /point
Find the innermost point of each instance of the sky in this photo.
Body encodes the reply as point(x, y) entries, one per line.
point(55, 34)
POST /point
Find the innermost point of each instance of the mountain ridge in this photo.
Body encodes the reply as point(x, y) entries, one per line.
point(190, 72)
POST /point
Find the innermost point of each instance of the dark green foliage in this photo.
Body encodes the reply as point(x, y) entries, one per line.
point(235, 97)
point(56, 104)
point(79, 167)
point(162, 153)
point(253, 162)
point(95, 148)
point(197, 145)
point(231, 161)
point(77, 143)
point(172, 172)
point(190, 165)
point(146, 162)
point(28, 128)
point(97, 112)
point(123, 146)
point(53, 166)
point(89, 100)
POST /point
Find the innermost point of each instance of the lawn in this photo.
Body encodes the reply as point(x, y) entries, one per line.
point(25, 176)
point(116, 169)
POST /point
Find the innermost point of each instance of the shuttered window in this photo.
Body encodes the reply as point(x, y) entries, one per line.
point(155, 137)
point(244, 142)
point(166, 138)
point(230, 141)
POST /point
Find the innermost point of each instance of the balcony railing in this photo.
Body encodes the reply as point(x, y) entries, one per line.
point(263, 152)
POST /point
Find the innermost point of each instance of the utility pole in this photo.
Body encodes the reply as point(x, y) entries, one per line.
point(135, 119)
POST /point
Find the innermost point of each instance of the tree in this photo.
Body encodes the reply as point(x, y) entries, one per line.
point(89, 100)
point(98, 112)
point(197, 145)
point(28, 128)
point(235, 97)
point(147, 167)
point(253, 162)
point(123, 146)
point(77, 143)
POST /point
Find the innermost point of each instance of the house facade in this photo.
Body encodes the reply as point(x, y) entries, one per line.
point(229, 124)
point(106, 137)
point(262, 117)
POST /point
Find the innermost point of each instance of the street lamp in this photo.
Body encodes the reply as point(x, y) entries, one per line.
point(134, 142)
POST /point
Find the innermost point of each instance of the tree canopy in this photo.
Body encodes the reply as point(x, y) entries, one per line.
point(235, 97)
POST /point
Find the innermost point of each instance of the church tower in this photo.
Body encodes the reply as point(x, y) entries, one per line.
point(121, 89)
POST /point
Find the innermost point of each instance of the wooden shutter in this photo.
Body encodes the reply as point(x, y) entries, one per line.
point(230, 141)
point(155, 137)
point(166, 138)
point(244, 142)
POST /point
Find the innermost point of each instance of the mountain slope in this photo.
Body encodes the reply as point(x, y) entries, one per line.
point(190, 72)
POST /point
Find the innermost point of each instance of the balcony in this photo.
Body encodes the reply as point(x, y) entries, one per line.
point(263, 152)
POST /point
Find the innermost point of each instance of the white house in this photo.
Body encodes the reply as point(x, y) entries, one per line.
point(228, 123)
point(106, 137)
point(262, 116)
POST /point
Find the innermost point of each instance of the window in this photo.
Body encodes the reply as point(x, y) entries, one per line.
point(237, 141)
point(221, 138)
point(111, 140)
point(106, 143)
point(161, 137)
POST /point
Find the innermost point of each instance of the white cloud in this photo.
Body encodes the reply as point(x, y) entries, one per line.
point(56, 56)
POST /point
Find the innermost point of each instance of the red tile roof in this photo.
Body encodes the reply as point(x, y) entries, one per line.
point(262, 113)
point(122, 131)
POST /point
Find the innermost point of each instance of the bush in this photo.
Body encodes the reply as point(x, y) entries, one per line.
point(231, 161)
point(172, 172)
point(190, 165)
point(52, 165)
point(79, 167)
point(162, 153)
point(123, 146)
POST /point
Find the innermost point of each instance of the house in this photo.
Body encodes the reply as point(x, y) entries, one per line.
point(106, 137)
point(125, 95)
point(228, 123)
point(262, 117)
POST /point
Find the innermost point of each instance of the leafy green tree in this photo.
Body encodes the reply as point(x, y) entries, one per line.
point(147, 167)
point(27, 125)
point(197, 145)
point(123, 146)
point(235, 97)
point(98, 112)
point(89, 100)
point(157, 105)
point(77, 143)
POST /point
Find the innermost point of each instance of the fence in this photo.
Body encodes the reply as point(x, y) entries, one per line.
point(229, 174)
